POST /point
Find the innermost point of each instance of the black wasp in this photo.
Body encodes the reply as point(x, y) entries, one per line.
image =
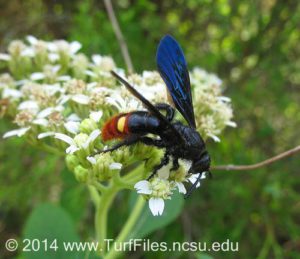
point(178, 140)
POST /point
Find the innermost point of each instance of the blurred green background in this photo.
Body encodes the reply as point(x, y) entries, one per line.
point(253, 46)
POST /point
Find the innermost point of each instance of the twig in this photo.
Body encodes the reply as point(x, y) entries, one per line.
point(119, 35)
point(257, 165)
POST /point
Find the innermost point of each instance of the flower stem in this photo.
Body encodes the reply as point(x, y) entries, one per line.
point(139, 205)
point(102, 209)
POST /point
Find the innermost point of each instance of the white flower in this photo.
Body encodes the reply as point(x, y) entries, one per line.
point(11, 93)
point(62, 46)
point(75, 146)
point(123, 104)
point(105, 63)
point(156, 204)
point(158, 189)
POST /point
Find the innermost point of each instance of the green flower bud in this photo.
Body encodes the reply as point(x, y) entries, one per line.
point(101, 168)
point(81, 174)
point(80, 139)
point(154, 159)
point(87, 126)
point(72, 162)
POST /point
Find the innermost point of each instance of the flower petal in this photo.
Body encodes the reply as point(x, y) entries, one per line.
point(143, 187)
point(164, 172)
point(71, 149)
point(65, 138)
point(7, 92)
point(44, 113)
point(91, 159)
point(214, 137)
point(4, 57)
point(181, 187)
point(53, 57)
point(74, 47)
point(156, 206)
point(73, 117)
point(72, 127)
point(32, 40)
point(91, 138)
point(41, 122)
point(45, 134)
point(231, 124)
point(90, 73)
point(115, 166)
point(28, 105)
point(64, 78)
point(96, 116)
point(193, 178)
point(18, 132)
point(96, 59)
point(186, 164)
point(81, 98)
point(37, 76)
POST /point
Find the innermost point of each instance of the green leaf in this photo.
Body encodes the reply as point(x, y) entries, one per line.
point(203, 256)
point(148, 223)
point(49, 222)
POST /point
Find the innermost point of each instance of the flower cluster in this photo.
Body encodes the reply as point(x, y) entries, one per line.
point(59, 100)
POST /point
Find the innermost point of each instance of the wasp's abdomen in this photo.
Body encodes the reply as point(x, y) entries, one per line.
point(116, 127)
point(137, 123)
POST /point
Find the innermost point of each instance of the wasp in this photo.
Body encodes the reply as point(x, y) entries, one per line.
point(180, 141)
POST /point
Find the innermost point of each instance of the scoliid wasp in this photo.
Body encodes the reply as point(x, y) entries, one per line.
point(179, 141)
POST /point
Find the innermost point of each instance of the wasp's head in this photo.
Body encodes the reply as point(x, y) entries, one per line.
point(201, 164)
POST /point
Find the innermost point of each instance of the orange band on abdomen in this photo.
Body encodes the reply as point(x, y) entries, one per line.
point(116, 127)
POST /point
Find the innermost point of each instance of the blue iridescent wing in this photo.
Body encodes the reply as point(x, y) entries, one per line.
point(172, 67)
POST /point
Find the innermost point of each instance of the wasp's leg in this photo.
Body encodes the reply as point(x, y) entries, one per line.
point(193, 187)
point(170, 111)
point(152, 142)
point(175, 164)
point(133, 140)
point(165, 160)
point(126, 142)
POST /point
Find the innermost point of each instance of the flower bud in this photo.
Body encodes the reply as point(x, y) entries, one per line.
point(80, 139)
point(87, 126)
point(81, 174)
point(72, 162)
